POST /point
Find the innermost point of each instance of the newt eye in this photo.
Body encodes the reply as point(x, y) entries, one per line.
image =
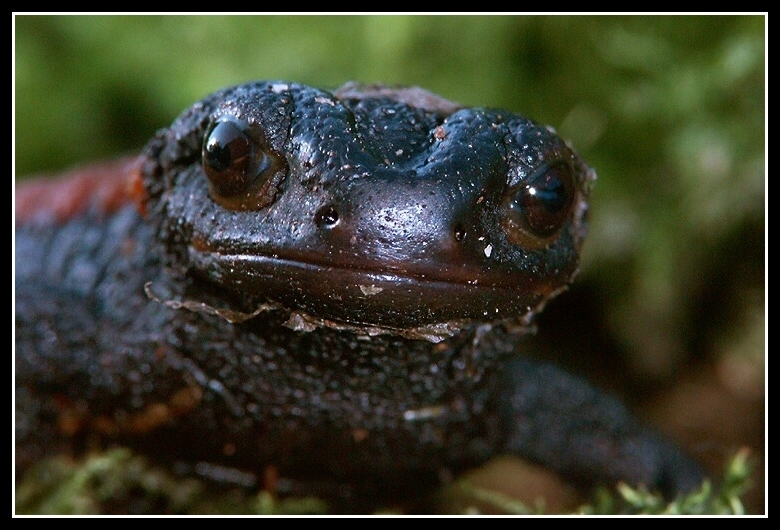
point(534, 213)
point(240, 170)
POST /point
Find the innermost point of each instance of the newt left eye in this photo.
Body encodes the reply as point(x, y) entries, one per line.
point(534, 213)
point(240, 170)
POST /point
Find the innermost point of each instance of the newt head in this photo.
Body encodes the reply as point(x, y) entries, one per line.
point(369, 206)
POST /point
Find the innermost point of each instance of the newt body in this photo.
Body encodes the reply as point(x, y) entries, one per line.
point(335, 285)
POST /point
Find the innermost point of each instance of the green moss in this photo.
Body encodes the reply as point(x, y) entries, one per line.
point(725, 499)
point(120, 482)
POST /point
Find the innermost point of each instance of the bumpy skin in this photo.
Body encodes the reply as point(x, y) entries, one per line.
point(336, 288)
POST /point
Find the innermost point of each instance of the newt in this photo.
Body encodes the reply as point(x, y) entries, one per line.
point(333, 285)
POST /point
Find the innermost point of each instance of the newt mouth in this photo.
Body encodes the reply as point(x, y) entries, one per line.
point(366, 297)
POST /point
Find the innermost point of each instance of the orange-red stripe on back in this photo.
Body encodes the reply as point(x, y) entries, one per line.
point(104, 186)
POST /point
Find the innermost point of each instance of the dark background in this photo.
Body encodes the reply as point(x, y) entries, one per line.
point(669, 310)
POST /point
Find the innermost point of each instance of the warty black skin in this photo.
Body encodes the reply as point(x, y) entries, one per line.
point(367, 359)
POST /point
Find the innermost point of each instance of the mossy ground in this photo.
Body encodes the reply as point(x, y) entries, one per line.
point(119, 482)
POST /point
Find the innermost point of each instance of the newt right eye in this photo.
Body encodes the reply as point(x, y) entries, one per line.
point(241, 171)
point(227, 159)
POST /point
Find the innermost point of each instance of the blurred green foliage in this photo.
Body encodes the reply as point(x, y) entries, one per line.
point(669, 110)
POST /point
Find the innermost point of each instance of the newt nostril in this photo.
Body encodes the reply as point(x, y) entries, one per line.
point(327, 217)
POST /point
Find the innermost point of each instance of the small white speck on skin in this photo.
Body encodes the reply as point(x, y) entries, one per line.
point(280, 87)
point(488, 250)
point(425, 413)
point(370, 290)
